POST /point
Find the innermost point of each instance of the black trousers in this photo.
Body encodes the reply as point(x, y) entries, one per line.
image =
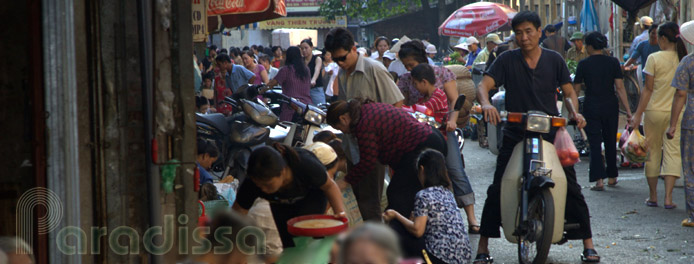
point(576, 207)
point(602, 128)
point(404, 186)
point(368, 192)
point(315, 202)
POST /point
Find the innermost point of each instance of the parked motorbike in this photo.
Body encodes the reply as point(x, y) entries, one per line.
point(238, 134)
point(311, 121)
point(533, 189)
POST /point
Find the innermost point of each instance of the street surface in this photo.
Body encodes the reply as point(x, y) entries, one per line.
point(624, 229)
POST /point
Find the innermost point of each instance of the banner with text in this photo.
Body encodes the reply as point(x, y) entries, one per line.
point(199, 21)
point(303, 22)
point(303, 5)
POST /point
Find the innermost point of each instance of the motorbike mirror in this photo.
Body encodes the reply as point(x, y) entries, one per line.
point(459, 102)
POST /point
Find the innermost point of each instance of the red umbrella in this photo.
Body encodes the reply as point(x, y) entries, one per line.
point(478, 19)
point(234, 13)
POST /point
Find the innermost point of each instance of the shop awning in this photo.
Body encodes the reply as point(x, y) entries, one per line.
point(313, 22)
point(234, 13)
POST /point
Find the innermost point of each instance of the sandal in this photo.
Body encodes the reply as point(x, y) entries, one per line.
point(687, 223)
point(483, 258)
point(473, 229)
point(650, 203)
point(590, 255)
point(597, 188)
point(670, 206)
point(613, 184)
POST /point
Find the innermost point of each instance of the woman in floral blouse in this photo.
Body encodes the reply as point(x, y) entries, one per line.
point(684, 83)
point(435, 214)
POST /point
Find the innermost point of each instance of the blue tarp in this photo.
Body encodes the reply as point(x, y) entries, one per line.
point(589, 17)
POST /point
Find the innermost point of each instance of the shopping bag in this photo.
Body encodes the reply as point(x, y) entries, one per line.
point(566, 150)
point(350, 203)
point(635, 149)
point(624, 137)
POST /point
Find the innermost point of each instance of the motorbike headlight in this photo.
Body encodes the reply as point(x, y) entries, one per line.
point(539, 123)
point(314, 117)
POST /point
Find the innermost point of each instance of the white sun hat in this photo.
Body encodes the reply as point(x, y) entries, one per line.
point(687, 32)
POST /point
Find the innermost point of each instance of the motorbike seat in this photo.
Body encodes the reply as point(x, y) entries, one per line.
point(216, 120)
point(260, 114)
point(247, 134)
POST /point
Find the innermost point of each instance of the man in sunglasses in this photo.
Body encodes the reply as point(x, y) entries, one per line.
point(362, 77)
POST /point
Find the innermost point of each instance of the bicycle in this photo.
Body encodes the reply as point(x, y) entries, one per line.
point(633, 89)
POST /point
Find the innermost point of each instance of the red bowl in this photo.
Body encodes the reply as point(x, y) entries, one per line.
point(316, 232)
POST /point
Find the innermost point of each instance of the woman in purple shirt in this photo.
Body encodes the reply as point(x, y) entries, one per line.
point(257, 69)
point(295, 81)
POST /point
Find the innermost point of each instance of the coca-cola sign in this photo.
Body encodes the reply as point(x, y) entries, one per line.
point(221, 7)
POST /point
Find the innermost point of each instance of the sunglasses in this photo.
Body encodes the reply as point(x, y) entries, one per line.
point(343, 58)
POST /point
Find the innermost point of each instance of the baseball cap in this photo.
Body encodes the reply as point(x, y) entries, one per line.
point(361, 50)
point(687, 31)
point(576, 35)
point(472, 40)
point(431, 49)
point(389, 55)
point(401, 41)
point(461, 40)
point(324, 152)
point(645, 21)
point(510, 38)
point(550, 28)
point(493, 38)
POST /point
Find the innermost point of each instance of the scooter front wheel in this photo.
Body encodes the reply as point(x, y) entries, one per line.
point(533, 246)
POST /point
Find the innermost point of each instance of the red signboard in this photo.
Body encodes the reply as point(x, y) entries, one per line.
point(250, 11)
point(221, 7)
point(304, 3)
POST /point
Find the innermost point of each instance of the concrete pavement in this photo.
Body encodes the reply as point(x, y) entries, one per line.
point(624, 229)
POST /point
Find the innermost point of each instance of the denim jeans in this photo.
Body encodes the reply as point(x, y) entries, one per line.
point(317, 95)
point(454, 162)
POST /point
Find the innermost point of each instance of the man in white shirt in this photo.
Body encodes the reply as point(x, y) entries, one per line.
point(645, 23)
point(265, 61)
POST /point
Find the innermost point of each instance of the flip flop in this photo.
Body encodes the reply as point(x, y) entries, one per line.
point(483, 258)
point(597, 188)
point(590, 255)
point(650, 203)
point(687, 223)
point(612, 184)
point(670, 206)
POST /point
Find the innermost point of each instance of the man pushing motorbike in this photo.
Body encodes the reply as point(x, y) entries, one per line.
point(530, 75)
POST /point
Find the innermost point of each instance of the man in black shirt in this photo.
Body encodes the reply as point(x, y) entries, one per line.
point(530, 75)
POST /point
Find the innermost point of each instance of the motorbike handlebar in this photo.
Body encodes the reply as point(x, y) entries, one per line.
point(286, 99)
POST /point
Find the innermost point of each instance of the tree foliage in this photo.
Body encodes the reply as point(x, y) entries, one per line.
point(368, 9)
